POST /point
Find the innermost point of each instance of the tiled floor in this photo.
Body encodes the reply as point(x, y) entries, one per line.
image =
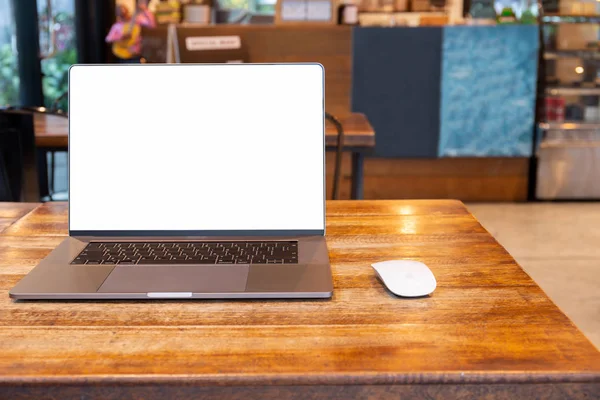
point(558, 245)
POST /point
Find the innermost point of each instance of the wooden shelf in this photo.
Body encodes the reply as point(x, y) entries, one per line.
point(588, 54)
point(573, 91)
point(404, 13)
point(558, 15)
point(570, 126)
point(571, 18)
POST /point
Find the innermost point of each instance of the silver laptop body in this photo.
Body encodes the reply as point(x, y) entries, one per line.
point(192, 181)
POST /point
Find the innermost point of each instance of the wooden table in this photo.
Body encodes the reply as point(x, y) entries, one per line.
point(359, 139)
point(51, 133)
point(488, 331)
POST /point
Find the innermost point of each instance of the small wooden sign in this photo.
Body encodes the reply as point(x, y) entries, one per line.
point(212, 43)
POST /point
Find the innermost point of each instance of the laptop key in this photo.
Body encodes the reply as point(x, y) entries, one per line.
point(150, 262)
point(189, 261)
point(129, 253)
point(93, 252)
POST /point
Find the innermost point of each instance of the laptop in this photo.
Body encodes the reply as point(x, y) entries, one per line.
point(192, 181)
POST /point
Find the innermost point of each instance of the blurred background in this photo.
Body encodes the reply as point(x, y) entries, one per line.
point(495, 103)
point(475, 100)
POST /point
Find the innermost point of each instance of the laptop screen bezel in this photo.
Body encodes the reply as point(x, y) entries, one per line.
point(186, 234)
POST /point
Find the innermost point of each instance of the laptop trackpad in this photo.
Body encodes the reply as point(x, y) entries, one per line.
point(180, 278)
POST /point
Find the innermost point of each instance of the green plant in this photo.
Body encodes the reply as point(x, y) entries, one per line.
point(56, 69)
point(9, 76)
point(56, 77)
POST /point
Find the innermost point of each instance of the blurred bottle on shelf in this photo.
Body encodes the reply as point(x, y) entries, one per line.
point(168, 12)
point(577, 7)
point(199, 12)
point(369, 5)
point(507, 16)
point(387, 5)
point(437, 5)
point(482, 12)
point(347, 13)
point(554, 109)
point(550, 6)
point(530, 14)
point(401, 5)
point(590, 109)
point(574, 112)
point(420, 5)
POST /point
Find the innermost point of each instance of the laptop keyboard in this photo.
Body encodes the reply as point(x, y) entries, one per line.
point(177, 253)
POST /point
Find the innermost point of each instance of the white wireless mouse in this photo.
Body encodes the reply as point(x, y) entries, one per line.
point(406, 278)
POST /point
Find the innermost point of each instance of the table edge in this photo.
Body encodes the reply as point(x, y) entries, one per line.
point(466, 377)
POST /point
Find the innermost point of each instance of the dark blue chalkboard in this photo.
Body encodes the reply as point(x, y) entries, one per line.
point(396, 83)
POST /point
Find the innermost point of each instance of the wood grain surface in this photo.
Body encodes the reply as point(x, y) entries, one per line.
point(358, 132)
point(471, 179)
point(488, 331)
point(11, 212)
point(52, 131)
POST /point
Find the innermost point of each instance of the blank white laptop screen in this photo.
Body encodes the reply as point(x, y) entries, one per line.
point(196, 147)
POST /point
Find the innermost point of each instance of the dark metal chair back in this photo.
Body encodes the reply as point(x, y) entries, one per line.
point(38, 186)
point(17, 156)
point(337, 172)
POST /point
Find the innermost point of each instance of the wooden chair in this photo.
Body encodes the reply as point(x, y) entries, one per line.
point(54, 110)
point(18, 172)
point(44, 186)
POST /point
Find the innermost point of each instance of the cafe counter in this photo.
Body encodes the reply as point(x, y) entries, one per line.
point(436, 92)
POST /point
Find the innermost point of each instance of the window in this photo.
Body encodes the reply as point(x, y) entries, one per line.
point(9, 72)
point(57, 43)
